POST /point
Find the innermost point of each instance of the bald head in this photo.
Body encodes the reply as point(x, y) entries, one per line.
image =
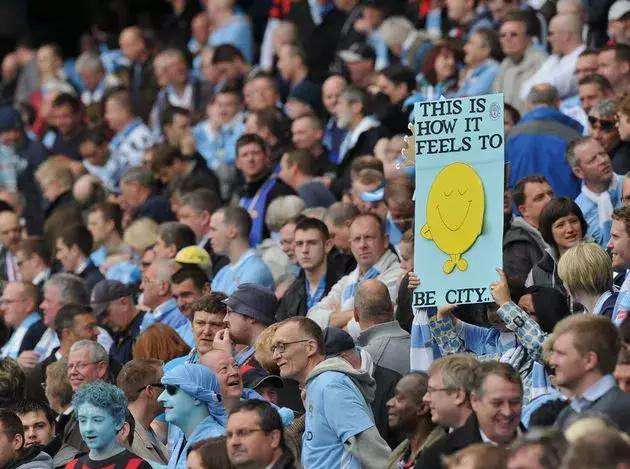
point(372, 303)
point(213, 358)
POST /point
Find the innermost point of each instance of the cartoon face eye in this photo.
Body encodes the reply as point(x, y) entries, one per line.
point(448, 193)
point(462, 191)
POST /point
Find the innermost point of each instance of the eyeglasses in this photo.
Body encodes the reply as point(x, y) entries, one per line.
point(171, 389)
point(243, 432)
point(152, 385)
point(602, 124)
point(280, 347)
point(81, 365)
point(431, 390)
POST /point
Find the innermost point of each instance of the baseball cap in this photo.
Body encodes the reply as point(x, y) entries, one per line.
point(255, 378)
point(336, 341)
point(254, 301)
point(358, 51)
point(193, 255)
point(618, 10)
point(106, 291)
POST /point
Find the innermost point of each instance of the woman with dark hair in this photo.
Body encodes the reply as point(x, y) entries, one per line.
point(562, 226)
point(440, 70)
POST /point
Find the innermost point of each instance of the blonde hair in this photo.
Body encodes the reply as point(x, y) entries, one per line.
point(53, 169)
point(586, 268)
point(458, 371)
point(141, 234)
point(262, 348)
point(585, 426)
point(58, 389)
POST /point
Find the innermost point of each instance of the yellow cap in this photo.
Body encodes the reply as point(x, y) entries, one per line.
point(193, 255)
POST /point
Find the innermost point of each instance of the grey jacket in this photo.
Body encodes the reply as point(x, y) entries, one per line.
point(388, 344)
point(33, 459)
point(368, 446)
point(512, 75)
point(614, 404)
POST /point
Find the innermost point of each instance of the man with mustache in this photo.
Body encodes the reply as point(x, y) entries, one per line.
point(601, 187)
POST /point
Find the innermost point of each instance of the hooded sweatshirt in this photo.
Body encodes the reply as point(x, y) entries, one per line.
point(339, 426)
point(32, 458)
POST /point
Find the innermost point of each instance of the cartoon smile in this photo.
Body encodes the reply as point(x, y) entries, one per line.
point(457, 226)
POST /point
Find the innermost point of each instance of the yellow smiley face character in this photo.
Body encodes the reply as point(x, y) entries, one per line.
point(455, 209)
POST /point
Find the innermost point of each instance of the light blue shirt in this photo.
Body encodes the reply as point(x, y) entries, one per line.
point(335, 412)
point(237, 32)
point(479, 80)
point(186, 333)
point(12, 348)
point(250, 268)
point(167, 313)
point(600, 230)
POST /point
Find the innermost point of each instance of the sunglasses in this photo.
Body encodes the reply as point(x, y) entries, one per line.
point(601, 123)
point(171, 389)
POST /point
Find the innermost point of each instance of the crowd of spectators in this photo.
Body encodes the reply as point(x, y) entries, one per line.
point(207, 240)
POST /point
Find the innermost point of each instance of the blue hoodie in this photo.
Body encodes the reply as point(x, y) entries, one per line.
point(537, 145)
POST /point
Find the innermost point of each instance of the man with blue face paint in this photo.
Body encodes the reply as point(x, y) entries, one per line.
point(192, 402)
point(101, 410)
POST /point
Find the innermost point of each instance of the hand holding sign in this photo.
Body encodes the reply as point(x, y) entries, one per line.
point(500, 289)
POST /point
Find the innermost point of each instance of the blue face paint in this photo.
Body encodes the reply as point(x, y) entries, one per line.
point(98, 428)
point(179, 406)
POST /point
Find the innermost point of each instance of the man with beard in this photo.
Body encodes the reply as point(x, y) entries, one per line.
point(250, 309)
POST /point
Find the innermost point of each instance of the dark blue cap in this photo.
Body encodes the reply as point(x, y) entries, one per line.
point(336, 341)
point(254, 301)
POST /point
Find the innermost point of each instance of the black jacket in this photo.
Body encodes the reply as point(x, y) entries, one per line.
point(431, 457)
point(522, 250)
point(91, 275)
point(404, 312)
point(293, 302)
point(386, 381)
point(157, 208)
point(364, 146)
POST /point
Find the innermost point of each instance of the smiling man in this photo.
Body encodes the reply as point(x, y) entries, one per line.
point(496, 402)
point(600, 186)
point(87, 362)
point(192, 403)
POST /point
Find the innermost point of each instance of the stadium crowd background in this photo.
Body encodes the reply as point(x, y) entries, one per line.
point(206, 236)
